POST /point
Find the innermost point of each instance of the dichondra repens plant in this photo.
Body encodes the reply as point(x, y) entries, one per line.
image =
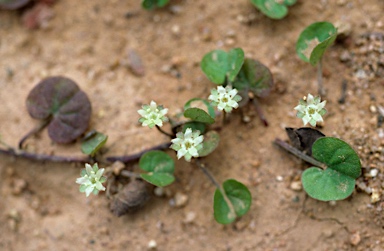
point(61, 106)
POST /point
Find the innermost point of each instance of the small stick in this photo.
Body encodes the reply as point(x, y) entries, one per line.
point(43, 157)
point(343, 92)
point(299, 153)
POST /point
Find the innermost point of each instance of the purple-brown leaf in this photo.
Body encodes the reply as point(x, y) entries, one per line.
point(61, 101)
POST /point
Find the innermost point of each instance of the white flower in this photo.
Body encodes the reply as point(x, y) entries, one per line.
point(187, 144)
point(152, 115)
point(311, 110)
point(224, 98)
point(91, 179)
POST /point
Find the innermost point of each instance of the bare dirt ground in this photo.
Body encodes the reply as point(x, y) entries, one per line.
point(88, 41)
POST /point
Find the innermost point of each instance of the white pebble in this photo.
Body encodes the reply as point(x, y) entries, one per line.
point(373, 172)
point(152, 245)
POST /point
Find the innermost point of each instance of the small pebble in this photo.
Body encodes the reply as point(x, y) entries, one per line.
point(373, 172)
point(159, 191)
point(296, 186)
point(179, 200)
point(152, 245)
point(190, 217)
point(355, 239)
point(375, 196)
point(279, 178)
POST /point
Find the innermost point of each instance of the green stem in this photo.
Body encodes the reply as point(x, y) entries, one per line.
point(320, 78)
point(164, 132)
point(299, 153)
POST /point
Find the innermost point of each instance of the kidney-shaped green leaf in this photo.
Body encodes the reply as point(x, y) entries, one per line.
point(198, 115)
point(272, 8)
point(255, 77)
point(60, 100)
point(218, 65)
point(13, 4)
point(235, 203)
point(160, 167)
point(314, 40)
point(93, 144)
point(337, 181)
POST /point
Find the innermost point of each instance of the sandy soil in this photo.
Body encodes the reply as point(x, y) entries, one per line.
point(89, 41)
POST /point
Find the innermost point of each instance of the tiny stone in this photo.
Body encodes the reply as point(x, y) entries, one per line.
point(241, 225)
point(279, 178)
point(159, 191)
point(373, 172)
point(179, 200)
point(373, 108)
point(229, 41)
point(255, 163)
point(296, 186)
point(375, 197)
point(19, 185)
point(328, 233)
point(176, 9)
point(332, 203)
point(190, 217)
point(176, 30)
point(355, 239)
point(246, 119)
point(152, 245)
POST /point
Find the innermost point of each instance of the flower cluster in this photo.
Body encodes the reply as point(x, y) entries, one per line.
point(187, 144)
point(311, 110)
point(224, 98)
point(91, 179)
point(152, 115)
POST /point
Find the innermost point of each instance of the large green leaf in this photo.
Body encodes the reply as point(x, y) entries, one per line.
point(234, 203)
point(314, 40)
point(61, 101)
point(160, 167)
point(337, 181)
point(219, 65)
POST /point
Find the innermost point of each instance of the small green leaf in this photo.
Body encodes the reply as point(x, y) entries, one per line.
point(210, 143)
point(198, 115)
point(336, 182)
point(219, 65)
point(255, 77)
point(13, 4)
point(314, 40)
point(60, 100)
point(153, 4)
point(160, 167)
point(272, 8)
point(93, 144)
point(234, 203)
point(210, 109)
